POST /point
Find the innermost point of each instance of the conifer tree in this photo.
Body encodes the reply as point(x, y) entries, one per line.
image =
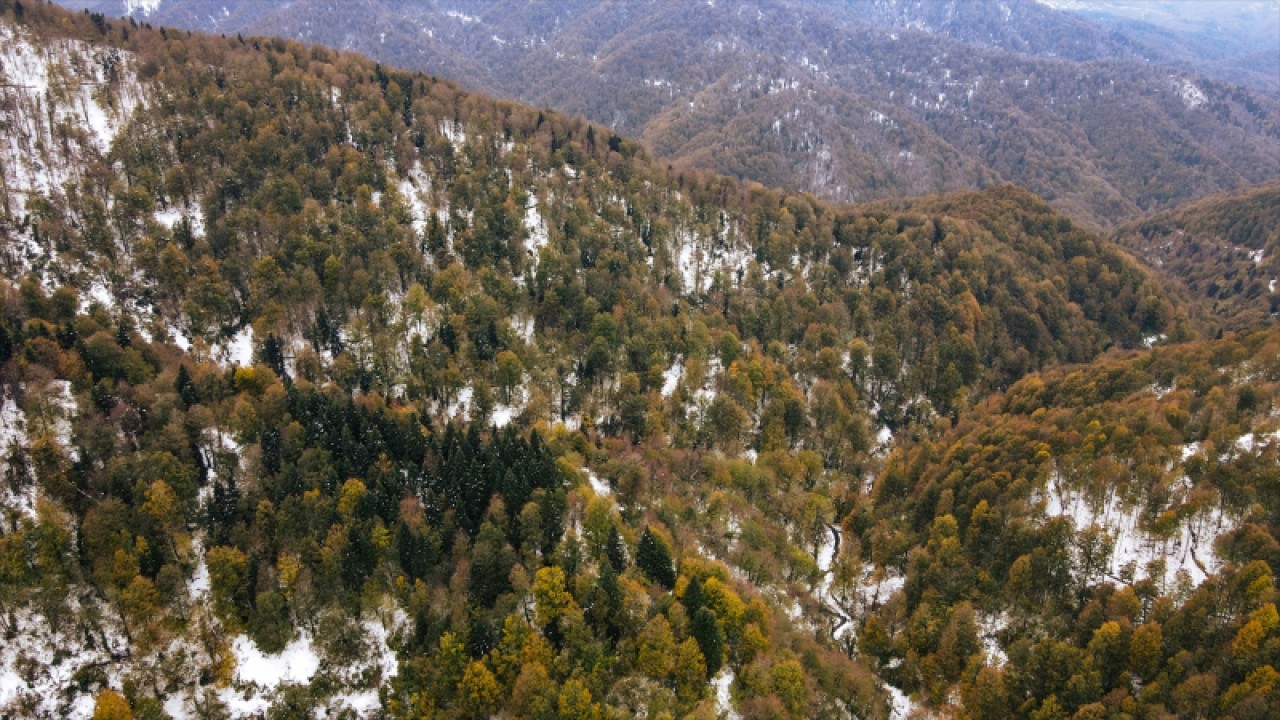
point(705, 629)
point(653, 557)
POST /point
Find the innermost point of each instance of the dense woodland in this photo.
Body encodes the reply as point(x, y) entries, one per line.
point(853, 101)
point(306, 351)
point(1221, 252)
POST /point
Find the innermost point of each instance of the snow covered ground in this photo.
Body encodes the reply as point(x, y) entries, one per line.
point(20, 501)
point(1135, 552)
point(722, 682)
point(53, 83)
point(598, 485)
point(38, 665)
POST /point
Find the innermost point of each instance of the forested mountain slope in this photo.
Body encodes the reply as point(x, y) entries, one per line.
point(328, 387)
point(1233, 40)
point(852, 101)
point(1223, 250)
point(1065, 530)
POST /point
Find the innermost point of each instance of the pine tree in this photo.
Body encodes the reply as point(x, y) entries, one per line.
point(705, 629)
point(653, 557)
point(186, 388)
point(694, 599)
point(616, 550)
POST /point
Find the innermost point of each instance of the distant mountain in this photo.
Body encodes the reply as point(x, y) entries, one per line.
point(1225, 252)
point(1233, 40)
point(853, 101)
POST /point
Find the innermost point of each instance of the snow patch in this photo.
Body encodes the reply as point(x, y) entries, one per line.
point(724, 700)
point(1192, 96)
point(238, 351)
point(900, 706)
point(671, 377)
point(536, 226)
point(145, 7)
point(598, 485)
point(462, 17)
point(293, 665)
point(524, 328)
point(1134, 552)
point(411, 188)
point(453, 132)
point(49, 85)
point(13, 438)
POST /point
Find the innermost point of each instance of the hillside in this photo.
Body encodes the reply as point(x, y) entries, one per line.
point(1233, 40)
point(1222, 252)
point(1103, 536)
point(330, 388)
point(853, 102)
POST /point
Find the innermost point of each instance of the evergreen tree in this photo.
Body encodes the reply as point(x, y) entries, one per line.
point(616, 550)
point(705, 629)
point(653, 557)
point(185, 387)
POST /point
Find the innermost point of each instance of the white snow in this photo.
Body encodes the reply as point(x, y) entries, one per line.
point(38, 665)
point(178, 337)
point(884, 438)
point(901, 706)
point(1192, 96)
point(722, 682)
point(365, 703)
point(239, 349)
point(1135, 553)
point(146, 7)
point(523, 327)
point(295, 664)
point(600, 487)
point(536, 226)
point(687, 261)
point(502, 415)
point(13, 436)
point(461, 405)
point(989, 626)
point(51, 84)
point(169, 216)
point(464, 18)
point(57, 413)
point(454, 133)
point(264, 673)
point(671, 377)
point(411, 188)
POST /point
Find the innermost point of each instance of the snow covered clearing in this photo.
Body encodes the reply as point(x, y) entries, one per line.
point(260, 674)
point(524, 328)
point(146, 7)
point(238, 350)
point(67, 100)
point(39, 664)
point(1192, 96)
point(900, 706)
point(1131, 551)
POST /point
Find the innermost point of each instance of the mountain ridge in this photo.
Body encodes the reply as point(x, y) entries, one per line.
point(851, 101)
